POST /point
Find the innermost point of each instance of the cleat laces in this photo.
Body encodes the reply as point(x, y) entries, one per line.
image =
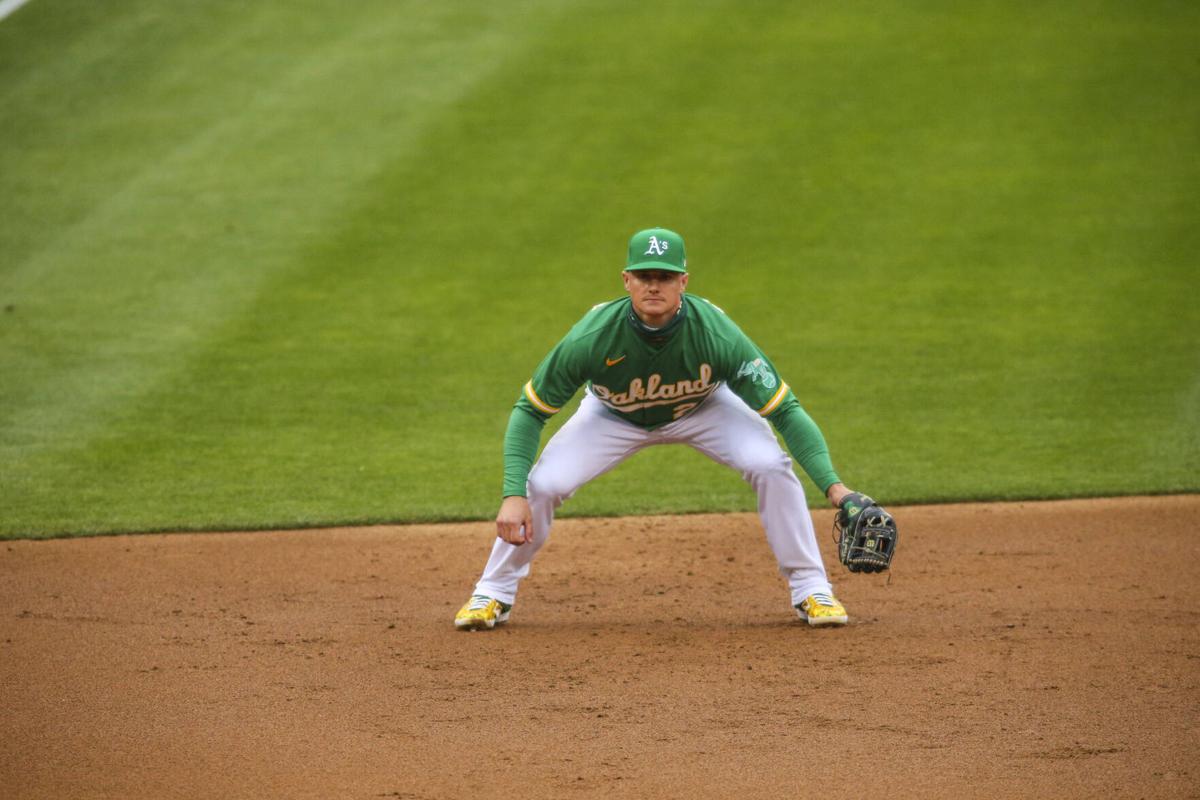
point(478, 602)
point(823, 599)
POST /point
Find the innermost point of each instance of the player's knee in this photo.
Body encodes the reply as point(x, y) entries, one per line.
point(760, 465)
point(548, 485)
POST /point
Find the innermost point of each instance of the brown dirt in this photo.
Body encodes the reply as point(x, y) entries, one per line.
point(1025, 650)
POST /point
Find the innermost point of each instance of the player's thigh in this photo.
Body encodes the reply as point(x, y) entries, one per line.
point(589, 444)
point(728, 431)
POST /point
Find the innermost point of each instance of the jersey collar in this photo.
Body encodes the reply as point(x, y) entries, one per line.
point(657, 335)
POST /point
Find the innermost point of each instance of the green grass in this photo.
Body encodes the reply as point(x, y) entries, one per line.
point(289, 264)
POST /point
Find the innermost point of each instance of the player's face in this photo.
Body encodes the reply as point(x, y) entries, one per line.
point(656, 293)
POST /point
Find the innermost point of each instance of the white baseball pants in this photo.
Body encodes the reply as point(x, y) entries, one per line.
point(725, 429)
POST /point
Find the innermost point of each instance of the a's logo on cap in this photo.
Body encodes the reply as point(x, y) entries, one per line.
point(656, 247)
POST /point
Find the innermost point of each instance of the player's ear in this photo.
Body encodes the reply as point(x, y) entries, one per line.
point(628, 278)
point(683, 281)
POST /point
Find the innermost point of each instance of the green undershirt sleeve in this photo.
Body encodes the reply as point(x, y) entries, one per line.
point(805, 442)
point(520, 446)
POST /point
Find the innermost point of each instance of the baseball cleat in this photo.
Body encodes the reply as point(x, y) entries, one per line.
point(822, 608)
point(481, 613)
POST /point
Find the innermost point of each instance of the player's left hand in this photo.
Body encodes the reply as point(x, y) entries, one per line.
point(514, 523)
point(865, 534)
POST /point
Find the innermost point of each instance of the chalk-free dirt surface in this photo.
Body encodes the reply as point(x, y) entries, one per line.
point(1023, 650)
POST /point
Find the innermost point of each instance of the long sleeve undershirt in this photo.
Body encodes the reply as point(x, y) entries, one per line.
point(520, 446)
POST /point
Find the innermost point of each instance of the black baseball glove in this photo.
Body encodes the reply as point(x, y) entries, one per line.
point(865, 534)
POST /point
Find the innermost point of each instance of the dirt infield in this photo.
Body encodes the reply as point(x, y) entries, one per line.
point(1025, 650)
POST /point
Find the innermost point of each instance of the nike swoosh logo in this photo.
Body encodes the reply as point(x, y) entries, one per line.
point(609, 362)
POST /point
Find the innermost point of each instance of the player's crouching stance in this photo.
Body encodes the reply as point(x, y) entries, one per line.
point(662, 367)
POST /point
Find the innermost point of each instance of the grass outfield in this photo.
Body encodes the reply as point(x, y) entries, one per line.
point(289, 264)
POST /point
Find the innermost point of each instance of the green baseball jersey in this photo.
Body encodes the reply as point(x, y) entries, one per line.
point(650, 377)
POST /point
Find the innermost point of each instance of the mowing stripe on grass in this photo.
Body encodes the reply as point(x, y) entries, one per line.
point(9, 6)
point(111, 306)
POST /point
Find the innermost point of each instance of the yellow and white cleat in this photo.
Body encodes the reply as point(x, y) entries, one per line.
point(822, 608)
point(481, 613)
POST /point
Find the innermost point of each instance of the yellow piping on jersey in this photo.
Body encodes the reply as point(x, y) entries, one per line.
point(774, 402)
point(537, 401)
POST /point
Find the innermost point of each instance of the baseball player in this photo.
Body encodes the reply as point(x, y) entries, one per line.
point(661, 367)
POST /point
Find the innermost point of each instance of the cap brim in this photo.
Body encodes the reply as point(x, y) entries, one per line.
point(664, 266)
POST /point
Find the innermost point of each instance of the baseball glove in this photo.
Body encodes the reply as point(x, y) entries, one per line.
point(865, 534)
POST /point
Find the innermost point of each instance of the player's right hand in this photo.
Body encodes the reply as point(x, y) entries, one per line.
point(514, 523)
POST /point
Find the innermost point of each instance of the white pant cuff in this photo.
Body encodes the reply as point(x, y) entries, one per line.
point(508, 598)
point(798, 595)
